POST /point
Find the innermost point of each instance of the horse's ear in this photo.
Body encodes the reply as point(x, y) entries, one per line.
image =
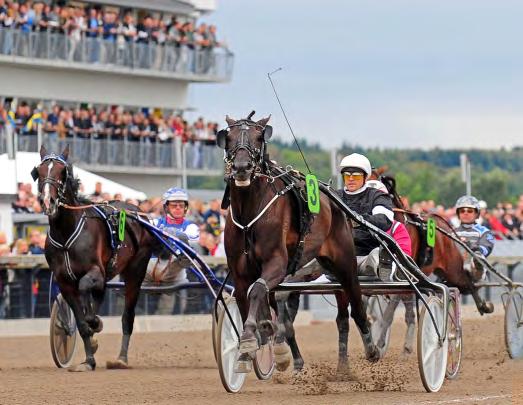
point(221, 138)
point(263, 122)
point(43, 152)
point(229, 120)
point(267, 133)
point(65, 152)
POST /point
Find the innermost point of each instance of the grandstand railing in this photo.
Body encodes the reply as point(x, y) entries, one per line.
point(215, 64)
point(144, 153)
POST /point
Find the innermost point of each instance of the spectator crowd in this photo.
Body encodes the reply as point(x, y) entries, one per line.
point(113, 123)
point(102, 34)
point(148, 134)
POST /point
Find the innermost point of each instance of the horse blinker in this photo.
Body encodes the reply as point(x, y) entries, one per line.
point(221, 138)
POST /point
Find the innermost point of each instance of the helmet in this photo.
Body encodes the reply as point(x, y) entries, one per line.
point(467, 201)
point(483, 204)
point(358, 161)
point(175, 194)
point(377, 185)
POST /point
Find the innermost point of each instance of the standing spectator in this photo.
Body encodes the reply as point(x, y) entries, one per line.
point(51, 128)
point(110, 30)
point(129, 34)
point(144, 35)
point(75, 26)
point(35, 242)
point(94, 26)
point(172, 51)
point(213, 211)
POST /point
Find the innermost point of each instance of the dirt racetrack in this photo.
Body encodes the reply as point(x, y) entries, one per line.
point(180, 368)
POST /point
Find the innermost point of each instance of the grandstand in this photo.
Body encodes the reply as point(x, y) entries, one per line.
point(132, 61)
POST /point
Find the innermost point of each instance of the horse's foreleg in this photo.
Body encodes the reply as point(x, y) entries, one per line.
point(410, 320)
point(91, 287)
point(258, 298)
point(73, 299)
point(483, 306)
point(342, 322)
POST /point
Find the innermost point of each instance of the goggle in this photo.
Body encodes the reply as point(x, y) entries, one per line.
point(354, 175)
point(176, 204)
point(467, 210)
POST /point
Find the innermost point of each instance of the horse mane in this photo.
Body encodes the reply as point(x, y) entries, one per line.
point(73, 186)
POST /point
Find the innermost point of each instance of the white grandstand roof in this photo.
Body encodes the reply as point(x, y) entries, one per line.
point(190, 8)
point(25, 161)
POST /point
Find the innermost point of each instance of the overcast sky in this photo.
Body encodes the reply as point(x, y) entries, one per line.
point(419, 73)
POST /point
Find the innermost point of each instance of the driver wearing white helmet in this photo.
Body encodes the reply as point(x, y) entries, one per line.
point(167, 268)
point(478, 237)
point(375, 207)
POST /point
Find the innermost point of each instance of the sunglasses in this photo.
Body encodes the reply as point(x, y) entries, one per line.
point(467, 210)
point(354, 175)
point(177, 205)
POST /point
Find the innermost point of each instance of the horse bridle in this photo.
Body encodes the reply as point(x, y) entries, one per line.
point(58, 184)
point(256, 155)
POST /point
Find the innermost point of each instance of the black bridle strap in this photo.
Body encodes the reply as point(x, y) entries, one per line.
point(243, 142)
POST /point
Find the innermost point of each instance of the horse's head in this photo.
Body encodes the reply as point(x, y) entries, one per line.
point(52, 174)
point(244, 142)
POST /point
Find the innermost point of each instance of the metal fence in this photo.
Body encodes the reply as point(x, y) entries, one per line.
point(216, 63)
point(147, 153)
point(25, 294)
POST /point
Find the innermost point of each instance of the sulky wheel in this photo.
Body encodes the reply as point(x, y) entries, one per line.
point(375, 311)
point(62, 333)
point(455, 338)
point(432, 354)
point(228, 346)
point(264, 363)
point(215, 324)
point(514, 325)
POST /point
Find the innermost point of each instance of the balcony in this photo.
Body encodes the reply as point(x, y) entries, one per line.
point(146, 156)
point(168, 61)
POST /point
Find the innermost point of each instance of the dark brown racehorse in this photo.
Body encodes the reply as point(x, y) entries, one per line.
point(260, 244)
point(447, 261)
point(78, 250)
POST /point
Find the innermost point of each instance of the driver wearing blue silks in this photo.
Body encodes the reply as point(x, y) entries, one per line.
point(168, 268)
point(477, 237)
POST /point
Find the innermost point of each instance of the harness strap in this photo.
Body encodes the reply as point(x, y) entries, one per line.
point(108, 223)
point(245, 228)
point(67, 245)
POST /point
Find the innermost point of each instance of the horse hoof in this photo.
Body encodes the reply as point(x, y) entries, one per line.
point(487, 308)
point(79, 368)
point(248, 345)
point(119, 364)
point(372, 353)
point(243, 366)
point(99, 325)
point(94, 344)
point(282, 356)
